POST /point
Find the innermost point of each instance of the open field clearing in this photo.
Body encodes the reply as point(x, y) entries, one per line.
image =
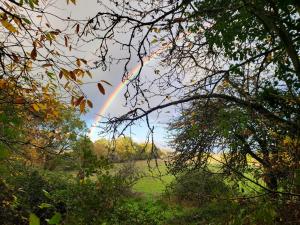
point(155, 178)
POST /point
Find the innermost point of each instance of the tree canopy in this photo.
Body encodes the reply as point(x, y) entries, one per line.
point(233, 69)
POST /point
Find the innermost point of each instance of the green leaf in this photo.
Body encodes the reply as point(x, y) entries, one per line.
point(47, 194)
point(51, 75)
point(45, 205)
point(4, 153)
point(31, 4)
point(26, 20)
point(33, 219)
point(55, 219)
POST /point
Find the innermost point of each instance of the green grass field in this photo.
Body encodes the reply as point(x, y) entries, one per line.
point(154, 179)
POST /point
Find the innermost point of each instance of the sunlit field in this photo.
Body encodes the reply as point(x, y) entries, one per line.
point(155, 177)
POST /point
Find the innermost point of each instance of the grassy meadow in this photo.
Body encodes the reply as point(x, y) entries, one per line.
point(154, 177)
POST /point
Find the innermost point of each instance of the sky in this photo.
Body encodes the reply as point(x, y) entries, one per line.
point(85, 9)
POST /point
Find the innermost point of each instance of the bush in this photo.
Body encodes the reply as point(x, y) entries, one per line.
point(91, 200)
point(142, 212)
point(32, 190)
point(215, 202)
point(198, 187)
point(9, 208)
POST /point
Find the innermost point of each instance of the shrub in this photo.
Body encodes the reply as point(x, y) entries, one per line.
point(198, 187)
point(9, 209)
point(141, 212)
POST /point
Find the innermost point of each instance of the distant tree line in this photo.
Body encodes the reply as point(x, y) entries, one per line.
point(124, 149)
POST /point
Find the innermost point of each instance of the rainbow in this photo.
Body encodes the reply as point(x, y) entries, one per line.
point(131, 75)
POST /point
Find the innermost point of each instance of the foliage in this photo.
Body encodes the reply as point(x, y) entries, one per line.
point(33, 49)
point(55, 196)
point(198, 187)
point(233, 67)
point(135, 211)
point(212, 201)
point(10, 212)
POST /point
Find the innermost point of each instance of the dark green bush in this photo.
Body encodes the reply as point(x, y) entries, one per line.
point(140, 211)
point(10, 212)
point(198, 187)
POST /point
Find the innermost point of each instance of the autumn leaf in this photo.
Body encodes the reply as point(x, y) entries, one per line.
point(35, 107)
point(15, 57)
point(8, 26)
point(33, 54)
point(104, 81)
point(42, 106)
point(2, 83)
point(66, 41)
point(90, 104)
point(79, 100)
point(72, 75)
point(78, 72)
point(89, 74)
point(73, 1)
point(78, 62)
point(60, 74)
point(82, 106)
point(47, 65)
point(101, 88)
point(77, 28)
point(19, 100)
point(65, 72)
point(84, 61)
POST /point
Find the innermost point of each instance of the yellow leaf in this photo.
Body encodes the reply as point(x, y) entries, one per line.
point(35, 107)
point(78, 72)
point(287, 140)
point(8, 26)
point(55, 113)
point(42, 106)
point(65, 72)
point(73, 1)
